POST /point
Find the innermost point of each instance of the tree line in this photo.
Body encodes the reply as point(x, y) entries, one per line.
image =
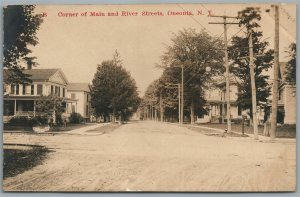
point(201, 56)
point(191, 53)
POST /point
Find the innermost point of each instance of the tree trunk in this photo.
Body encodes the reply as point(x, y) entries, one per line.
point(161, 109)
point(192, 113)
point(114, 115)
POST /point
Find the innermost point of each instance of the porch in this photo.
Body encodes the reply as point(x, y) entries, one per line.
point(27, 107)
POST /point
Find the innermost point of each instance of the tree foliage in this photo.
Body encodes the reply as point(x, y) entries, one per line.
point(20, 27)
point(238, 53)
point(195, 51)
point(291, 65)
point(49, 105)
point(114, 91)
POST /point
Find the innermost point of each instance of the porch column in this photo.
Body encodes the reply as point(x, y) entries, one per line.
point(15, 107)
point(34, 103)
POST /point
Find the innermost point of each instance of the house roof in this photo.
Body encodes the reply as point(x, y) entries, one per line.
point(78, 87)
point(40, 74)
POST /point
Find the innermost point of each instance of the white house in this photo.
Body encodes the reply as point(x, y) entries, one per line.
point(215, 97)
point(20, 99)
point(81, 93)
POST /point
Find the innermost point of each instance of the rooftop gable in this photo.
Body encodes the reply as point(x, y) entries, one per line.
point(79, 87)
point(42, 75)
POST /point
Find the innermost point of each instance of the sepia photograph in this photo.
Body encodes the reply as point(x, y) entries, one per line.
point(149, 98)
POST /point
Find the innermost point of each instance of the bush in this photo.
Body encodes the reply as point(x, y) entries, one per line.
point(28, 121)
point(39, 120)
point(75, 118)
point(20, 121)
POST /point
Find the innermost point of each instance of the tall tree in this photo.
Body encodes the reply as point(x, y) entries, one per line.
point(291, 65)
point(20, 27)
point(263, 59)
point(114, 91)
point(195, 51)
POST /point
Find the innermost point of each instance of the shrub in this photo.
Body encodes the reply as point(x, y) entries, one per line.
point(39, 120)
point(21, 121)
point(26, 121)
point(75, 118)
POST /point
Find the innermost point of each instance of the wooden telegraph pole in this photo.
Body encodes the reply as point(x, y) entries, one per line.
point(275, 82)
point(253, 87)
point(225, 23)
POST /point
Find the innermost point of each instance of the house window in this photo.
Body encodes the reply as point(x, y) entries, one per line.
point(40, 89)
point(51, 89)
point(73, 108)
point(87, 110)
point(32, 89)
point(17, 89)
point(56, 91)
point(28, 90)
point(64, 92)
point(73, 96)
point(24, 89)
point(12, 89)
point(87, 98)
point(280, 95)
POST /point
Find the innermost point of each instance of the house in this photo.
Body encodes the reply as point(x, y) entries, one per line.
point(216, 102)
point(286, 97)
point(81, 93)
point(20, 99)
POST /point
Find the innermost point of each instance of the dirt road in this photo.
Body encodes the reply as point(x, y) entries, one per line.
point(148, 156)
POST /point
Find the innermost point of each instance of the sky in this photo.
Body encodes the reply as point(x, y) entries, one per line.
point(78, 43)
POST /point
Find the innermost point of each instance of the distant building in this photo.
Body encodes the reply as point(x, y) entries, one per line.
point(81, 93)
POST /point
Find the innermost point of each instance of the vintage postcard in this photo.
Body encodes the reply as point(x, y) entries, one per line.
point(149, 98)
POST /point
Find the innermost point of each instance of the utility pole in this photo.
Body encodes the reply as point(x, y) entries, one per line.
point(253, 88)
point(275, 82)
point(225, 23)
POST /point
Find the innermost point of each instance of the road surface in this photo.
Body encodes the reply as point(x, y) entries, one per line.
point(151, 156)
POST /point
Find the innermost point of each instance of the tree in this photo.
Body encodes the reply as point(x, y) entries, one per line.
point(291, 65)
point(20, 27)
point(195, 51)
point(114, 91)
point(51, 106)
point(263, 59)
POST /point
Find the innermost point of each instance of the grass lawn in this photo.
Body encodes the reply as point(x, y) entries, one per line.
point(284, 131)
point(19, 158)
point(70, 127)
point(106, 128)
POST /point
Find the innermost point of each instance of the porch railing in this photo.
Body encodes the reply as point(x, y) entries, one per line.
point(24, 113)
